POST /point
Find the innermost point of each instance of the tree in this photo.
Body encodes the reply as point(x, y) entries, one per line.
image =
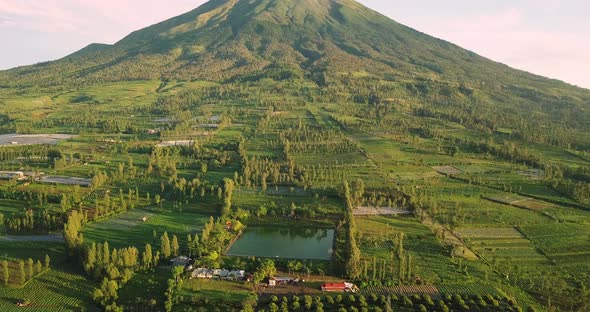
point(147, 256)
point(71, 232)
point(64, 203)
point(196, 247)
point(228, 189)
point(90, 258)
point(47, 261)
point(165, 245)
point(107, 293)
point(6, 273)
point(21, 272)
point(38, 267)
point(106, 258)
point(452, 150)
point(353, 259)
point(267, 268)
point(189, 244)
point(273, 307)
point(175, 246)
point(261, 211)
point(30, 268)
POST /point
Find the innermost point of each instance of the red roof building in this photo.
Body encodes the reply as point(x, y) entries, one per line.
point(334, 287)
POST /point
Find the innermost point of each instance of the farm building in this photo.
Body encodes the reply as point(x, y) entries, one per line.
point(202, 273)
point(9, 175)
point(181, 261)
point(238, 274)
point(274, 281)
point(233, 275)
point(339, 287)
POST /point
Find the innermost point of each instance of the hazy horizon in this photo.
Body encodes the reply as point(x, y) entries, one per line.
point(546, 37)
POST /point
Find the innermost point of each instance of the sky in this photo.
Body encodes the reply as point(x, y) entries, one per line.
point(545, 37)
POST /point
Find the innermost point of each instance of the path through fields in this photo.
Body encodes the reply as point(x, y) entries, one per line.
point(32, 238)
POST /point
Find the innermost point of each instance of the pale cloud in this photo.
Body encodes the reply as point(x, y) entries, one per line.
point(491, 22)
point(507, 36)
point(5, 21)
point(45, 16)
point(107, 19)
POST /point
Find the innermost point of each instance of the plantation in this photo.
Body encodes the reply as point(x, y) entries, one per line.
point(54, 290)
point(57, 286)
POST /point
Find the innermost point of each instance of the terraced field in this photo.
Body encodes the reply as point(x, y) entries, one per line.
point(503, 244)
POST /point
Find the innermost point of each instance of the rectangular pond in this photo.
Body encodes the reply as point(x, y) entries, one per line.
point(294, 243)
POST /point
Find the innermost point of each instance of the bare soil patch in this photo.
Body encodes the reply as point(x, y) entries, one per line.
point(380, 211)
point(520, 201)
point(447, 170)
point(66, 180)
point(533, 174)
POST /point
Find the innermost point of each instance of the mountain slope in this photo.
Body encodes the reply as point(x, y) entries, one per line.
point(227, 38)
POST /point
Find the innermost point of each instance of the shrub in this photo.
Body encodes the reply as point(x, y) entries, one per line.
point(330, 300)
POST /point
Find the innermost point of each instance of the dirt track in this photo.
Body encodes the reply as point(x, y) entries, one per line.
point(32, 238)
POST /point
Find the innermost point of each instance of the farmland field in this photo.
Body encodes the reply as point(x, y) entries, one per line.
point(60, 288)
point(242, 156)
point(130, 229)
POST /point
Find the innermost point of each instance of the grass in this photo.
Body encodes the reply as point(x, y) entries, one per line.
point(431, 260)
point(144, 288)
point(10, 206)
point(213, 293)
point(128, 229)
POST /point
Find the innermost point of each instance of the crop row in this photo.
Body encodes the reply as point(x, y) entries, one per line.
point(400, 290)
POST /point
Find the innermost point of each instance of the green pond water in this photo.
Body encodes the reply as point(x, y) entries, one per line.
point(284, 243)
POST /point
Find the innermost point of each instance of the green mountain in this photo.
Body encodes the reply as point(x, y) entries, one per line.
point(325, 42)
point(226, 38)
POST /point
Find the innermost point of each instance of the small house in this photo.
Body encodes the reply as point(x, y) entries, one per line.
point(202, 273)
point(237, 275)
point(216, 273)
point(279, 280)
point(224, 274)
